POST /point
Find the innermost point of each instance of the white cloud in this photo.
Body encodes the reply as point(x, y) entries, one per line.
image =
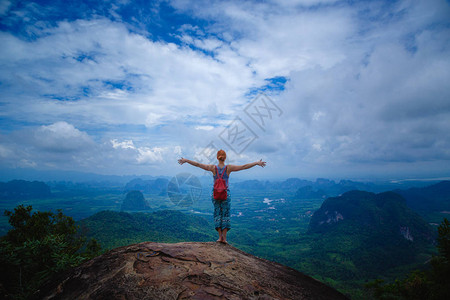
point(204, 127)
point(368, 86)
point(294, 3)
point(276, 41)
point(391, 109)
point(153, 119)
point(114, 76)
point(124, 145)
point(5, 152)
point(61, 137)
point(365, 98)
point(58, 145)
point(177, 150)
point(128, 152)
point(150, 155)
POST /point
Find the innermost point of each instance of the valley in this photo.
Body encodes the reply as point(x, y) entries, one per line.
point(272, 221)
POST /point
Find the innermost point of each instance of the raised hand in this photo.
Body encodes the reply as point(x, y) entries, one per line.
point(261, 163)
point(182, 161)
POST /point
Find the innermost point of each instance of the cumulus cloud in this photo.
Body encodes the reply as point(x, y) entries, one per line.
point(366, 85)
point(48, 146)
point(143, 155)
point(372, 94)
point(276, 40)
point(114, 76)
point(61, 137)
point(150, 155)
point(124, 145)
point(61, 145)
point(392, 108)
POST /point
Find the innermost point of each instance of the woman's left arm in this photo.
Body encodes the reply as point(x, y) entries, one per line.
point(233, 168)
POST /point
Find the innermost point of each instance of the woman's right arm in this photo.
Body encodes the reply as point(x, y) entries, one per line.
point(196, 164)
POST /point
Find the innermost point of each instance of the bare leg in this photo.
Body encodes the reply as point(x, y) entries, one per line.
point(220, 235)
point(224, 235)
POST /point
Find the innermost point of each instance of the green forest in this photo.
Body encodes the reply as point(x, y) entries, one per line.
point(365, 244)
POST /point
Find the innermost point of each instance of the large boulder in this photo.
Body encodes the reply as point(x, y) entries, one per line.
point(184, 271)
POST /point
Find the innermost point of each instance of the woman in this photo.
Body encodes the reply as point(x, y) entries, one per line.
point(222, 207)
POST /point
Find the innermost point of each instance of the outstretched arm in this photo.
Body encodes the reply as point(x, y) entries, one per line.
point(196, 164)
point(233, 168)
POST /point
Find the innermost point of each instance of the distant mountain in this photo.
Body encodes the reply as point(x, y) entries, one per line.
point(22, 190)
point(288, 184)
point(323, 188)
point(291, 183)
point(433, 198)
point(134, 200)
point(152, 186)
point(251, 185)
point(113, 229)
point(387, 211)
point(31, 174)
point(370, 234)
point(305, 189)
point(308, 192)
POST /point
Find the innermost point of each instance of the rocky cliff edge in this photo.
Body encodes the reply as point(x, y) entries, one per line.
point(184, 271)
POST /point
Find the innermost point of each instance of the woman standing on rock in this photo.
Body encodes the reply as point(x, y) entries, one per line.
point(221, 199)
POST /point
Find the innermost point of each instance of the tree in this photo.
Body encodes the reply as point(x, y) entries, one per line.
point(444, 240)
point(440, 265)
point(39, 245)
point(433, 284)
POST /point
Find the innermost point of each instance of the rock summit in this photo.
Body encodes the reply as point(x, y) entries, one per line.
point(184, 271)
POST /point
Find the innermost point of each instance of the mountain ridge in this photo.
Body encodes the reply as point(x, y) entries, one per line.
point(435, 197)
point(364, 229)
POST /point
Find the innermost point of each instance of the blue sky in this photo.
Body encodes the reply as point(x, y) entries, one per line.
point(351, 89)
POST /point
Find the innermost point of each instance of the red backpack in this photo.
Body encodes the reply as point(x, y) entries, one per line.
point(220, 186)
